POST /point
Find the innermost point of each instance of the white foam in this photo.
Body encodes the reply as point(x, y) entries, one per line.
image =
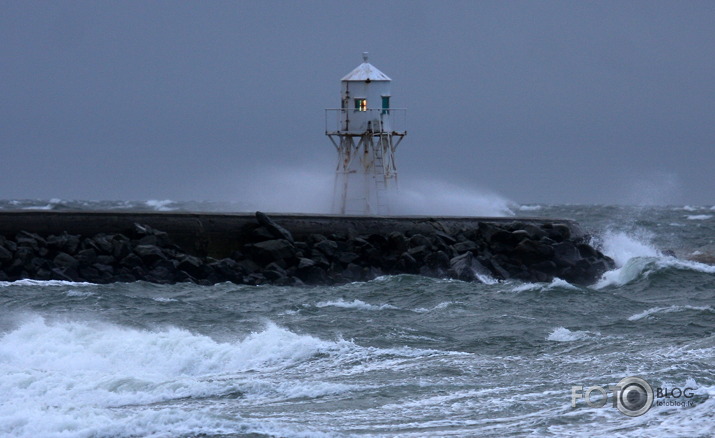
point(555, 283)
point(164, 299)
point(562, 334)
point(79, 293)
point(160, 205)
point(440, 306)
point(485, 278)
point(43, 283)
point(644, 266)
point(670, 309)
point(530, 207)
point(699, 217)
point(354, 304)
point(633, 253)
point(82, 379)
point(622, 247)
point(632, 270)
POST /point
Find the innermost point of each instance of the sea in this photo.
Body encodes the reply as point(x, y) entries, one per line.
point(397, 356)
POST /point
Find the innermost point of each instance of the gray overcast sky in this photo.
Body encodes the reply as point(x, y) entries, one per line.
point(539, 101)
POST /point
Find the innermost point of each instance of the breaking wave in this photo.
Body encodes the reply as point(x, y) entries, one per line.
point(670, 309)
point(354, 304)
point(561, 334)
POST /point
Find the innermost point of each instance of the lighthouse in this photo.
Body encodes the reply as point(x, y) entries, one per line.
point(365, 131)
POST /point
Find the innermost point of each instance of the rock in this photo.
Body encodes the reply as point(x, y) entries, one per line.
point(260, 234)
point(519, 250)
point(64, 243)
point(533, 232)
point(106, 260)
point(90, 274)
point(396, 242)
point(445, 238)
point(547, 267)
point(500, 272)
point(5, 255)
point(272, 251)
point(312, 275)
point(87, 256)
point(65, 261)
point(228, 270)
point(131, 261)
point(161, 275)
point(304, 263)
point(101, 243)
point(328, 247)
point(64, 274)
point(162, 238)
point(566, 254)
point(353, 272)
point(31, 240)
point(438, 261)
point(466, 267)
point(378, 241)
point(557, 232)
point(407, 264)
point(419, 240)
point(248, 266)
point(347, 258)
point(465, 246)
point(419, 253)
point(149, 254)
point(107, 271)
point(24, 254)
point(276, 230)
point(193, 266)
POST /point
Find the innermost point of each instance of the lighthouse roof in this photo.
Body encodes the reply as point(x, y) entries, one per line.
point(366, 71)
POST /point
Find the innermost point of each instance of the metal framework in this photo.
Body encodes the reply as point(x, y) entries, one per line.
point(366, 173)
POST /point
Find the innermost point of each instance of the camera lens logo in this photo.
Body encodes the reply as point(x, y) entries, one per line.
point(635, 397)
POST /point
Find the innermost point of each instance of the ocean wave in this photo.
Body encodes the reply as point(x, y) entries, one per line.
point(688, 208)
point(70, 374)
point(79, 293)
point(562, 334)
point(354, 304)
point(535, 207)
point(161, 205)
point(440, 306)
point(634, 254)
point(660, 310)
point(642, 267)
point(699, 217)
point(622, 246)
point(43, 283)
point(556, 283)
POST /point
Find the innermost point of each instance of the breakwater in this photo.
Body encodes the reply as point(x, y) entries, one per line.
point(105, 247)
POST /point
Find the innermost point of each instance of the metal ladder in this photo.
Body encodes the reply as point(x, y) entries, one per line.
point(380, 182)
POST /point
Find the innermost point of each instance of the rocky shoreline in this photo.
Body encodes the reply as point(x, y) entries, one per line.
point(269, 254)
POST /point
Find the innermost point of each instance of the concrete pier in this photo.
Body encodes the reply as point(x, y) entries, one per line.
point(166, 247)
point(218, 234)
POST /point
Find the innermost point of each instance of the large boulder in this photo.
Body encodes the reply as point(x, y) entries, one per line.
point(276, 230)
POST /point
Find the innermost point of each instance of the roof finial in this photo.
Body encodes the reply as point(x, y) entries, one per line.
point(364, 56)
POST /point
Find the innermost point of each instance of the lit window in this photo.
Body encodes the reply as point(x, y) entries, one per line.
point(361, 104)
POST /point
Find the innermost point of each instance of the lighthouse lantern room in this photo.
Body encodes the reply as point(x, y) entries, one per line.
point(365, 131)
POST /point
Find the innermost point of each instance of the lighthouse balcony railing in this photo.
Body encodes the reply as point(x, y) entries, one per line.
point(348, 121)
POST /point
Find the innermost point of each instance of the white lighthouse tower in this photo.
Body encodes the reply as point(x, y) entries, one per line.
point(366, 131)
